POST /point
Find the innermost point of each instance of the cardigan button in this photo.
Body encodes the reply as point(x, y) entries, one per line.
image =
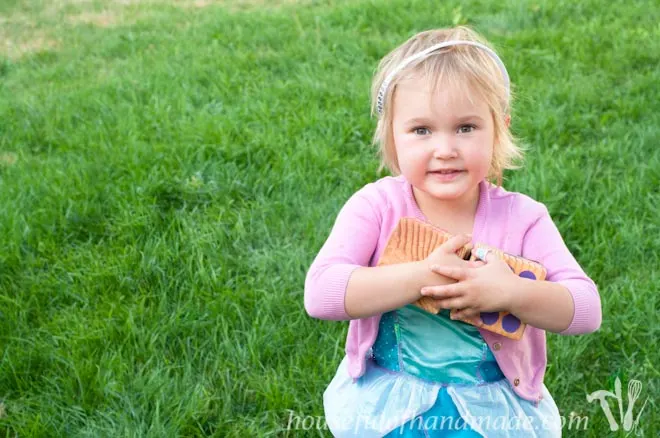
point(516, 381)
point(497, 346)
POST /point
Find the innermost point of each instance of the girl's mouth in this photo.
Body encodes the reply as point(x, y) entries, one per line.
point(445, 175)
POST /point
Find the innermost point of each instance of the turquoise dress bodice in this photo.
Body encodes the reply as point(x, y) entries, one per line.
point(434, 348)
point(424, 366)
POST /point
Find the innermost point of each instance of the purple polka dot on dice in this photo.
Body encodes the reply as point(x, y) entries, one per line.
point(510, 323)
point(527, 274)
point(490, 318)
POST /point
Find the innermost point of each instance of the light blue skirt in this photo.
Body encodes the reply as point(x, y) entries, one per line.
point(430, 376)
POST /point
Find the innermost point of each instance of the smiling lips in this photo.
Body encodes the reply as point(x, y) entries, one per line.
point(445, 171)
point(445, 175)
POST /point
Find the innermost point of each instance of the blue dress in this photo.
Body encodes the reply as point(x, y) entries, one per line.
point(429, 376)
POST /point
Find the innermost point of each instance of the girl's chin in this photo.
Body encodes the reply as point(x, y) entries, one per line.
point(447, 192)
point(443, 193)
point(445, 196)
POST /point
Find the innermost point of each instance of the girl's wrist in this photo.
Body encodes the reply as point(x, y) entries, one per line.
point(418, 276)
point(423, 275)
point(513, 294)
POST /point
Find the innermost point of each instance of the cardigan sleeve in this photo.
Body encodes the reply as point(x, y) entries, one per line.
point(543, 243)
point(350, 245)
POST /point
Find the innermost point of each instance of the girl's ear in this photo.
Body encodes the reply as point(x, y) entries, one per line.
point(507, 120)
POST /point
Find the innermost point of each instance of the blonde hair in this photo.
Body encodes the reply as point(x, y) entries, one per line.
point(453, 67)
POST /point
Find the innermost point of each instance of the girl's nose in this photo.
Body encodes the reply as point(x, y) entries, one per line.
point(444, 149)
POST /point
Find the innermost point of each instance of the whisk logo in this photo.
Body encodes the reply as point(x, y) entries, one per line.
point(627, 420)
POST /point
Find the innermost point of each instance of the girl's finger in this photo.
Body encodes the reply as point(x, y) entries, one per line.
point(452, 303)
point(442, 292)
point(455, 243)
point(485, 254)
point(450, 271)
point(466, 313)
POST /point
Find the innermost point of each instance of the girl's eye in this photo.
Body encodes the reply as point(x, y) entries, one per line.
point(421, 131)
point(465, 129)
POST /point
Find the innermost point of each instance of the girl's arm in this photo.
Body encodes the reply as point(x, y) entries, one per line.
point(350, 245)
point(542, 304)
point(340, 285)
point(568, 301)
point(379, 289)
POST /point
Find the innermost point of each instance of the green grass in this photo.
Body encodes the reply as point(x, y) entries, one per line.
point(168, 172)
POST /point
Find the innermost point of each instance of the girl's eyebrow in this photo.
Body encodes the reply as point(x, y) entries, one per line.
point(425, 121)
point(471, 117)
point(418, 121)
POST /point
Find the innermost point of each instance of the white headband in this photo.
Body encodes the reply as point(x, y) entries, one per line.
point(380, 100)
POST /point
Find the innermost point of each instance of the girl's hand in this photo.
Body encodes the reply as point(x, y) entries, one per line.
point(446, 254)
point(482, 287)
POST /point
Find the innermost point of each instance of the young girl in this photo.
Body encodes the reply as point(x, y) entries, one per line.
point(443, 104)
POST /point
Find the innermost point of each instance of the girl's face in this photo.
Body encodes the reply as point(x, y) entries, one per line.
point(443, 141)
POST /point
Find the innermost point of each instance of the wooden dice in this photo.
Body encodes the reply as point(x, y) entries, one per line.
point(413, 240)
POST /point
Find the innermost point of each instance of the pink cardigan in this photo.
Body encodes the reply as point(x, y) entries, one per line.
point(510, 221)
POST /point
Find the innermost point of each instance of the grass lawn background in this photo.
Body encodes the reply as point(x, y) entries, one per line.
point(168, 170)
